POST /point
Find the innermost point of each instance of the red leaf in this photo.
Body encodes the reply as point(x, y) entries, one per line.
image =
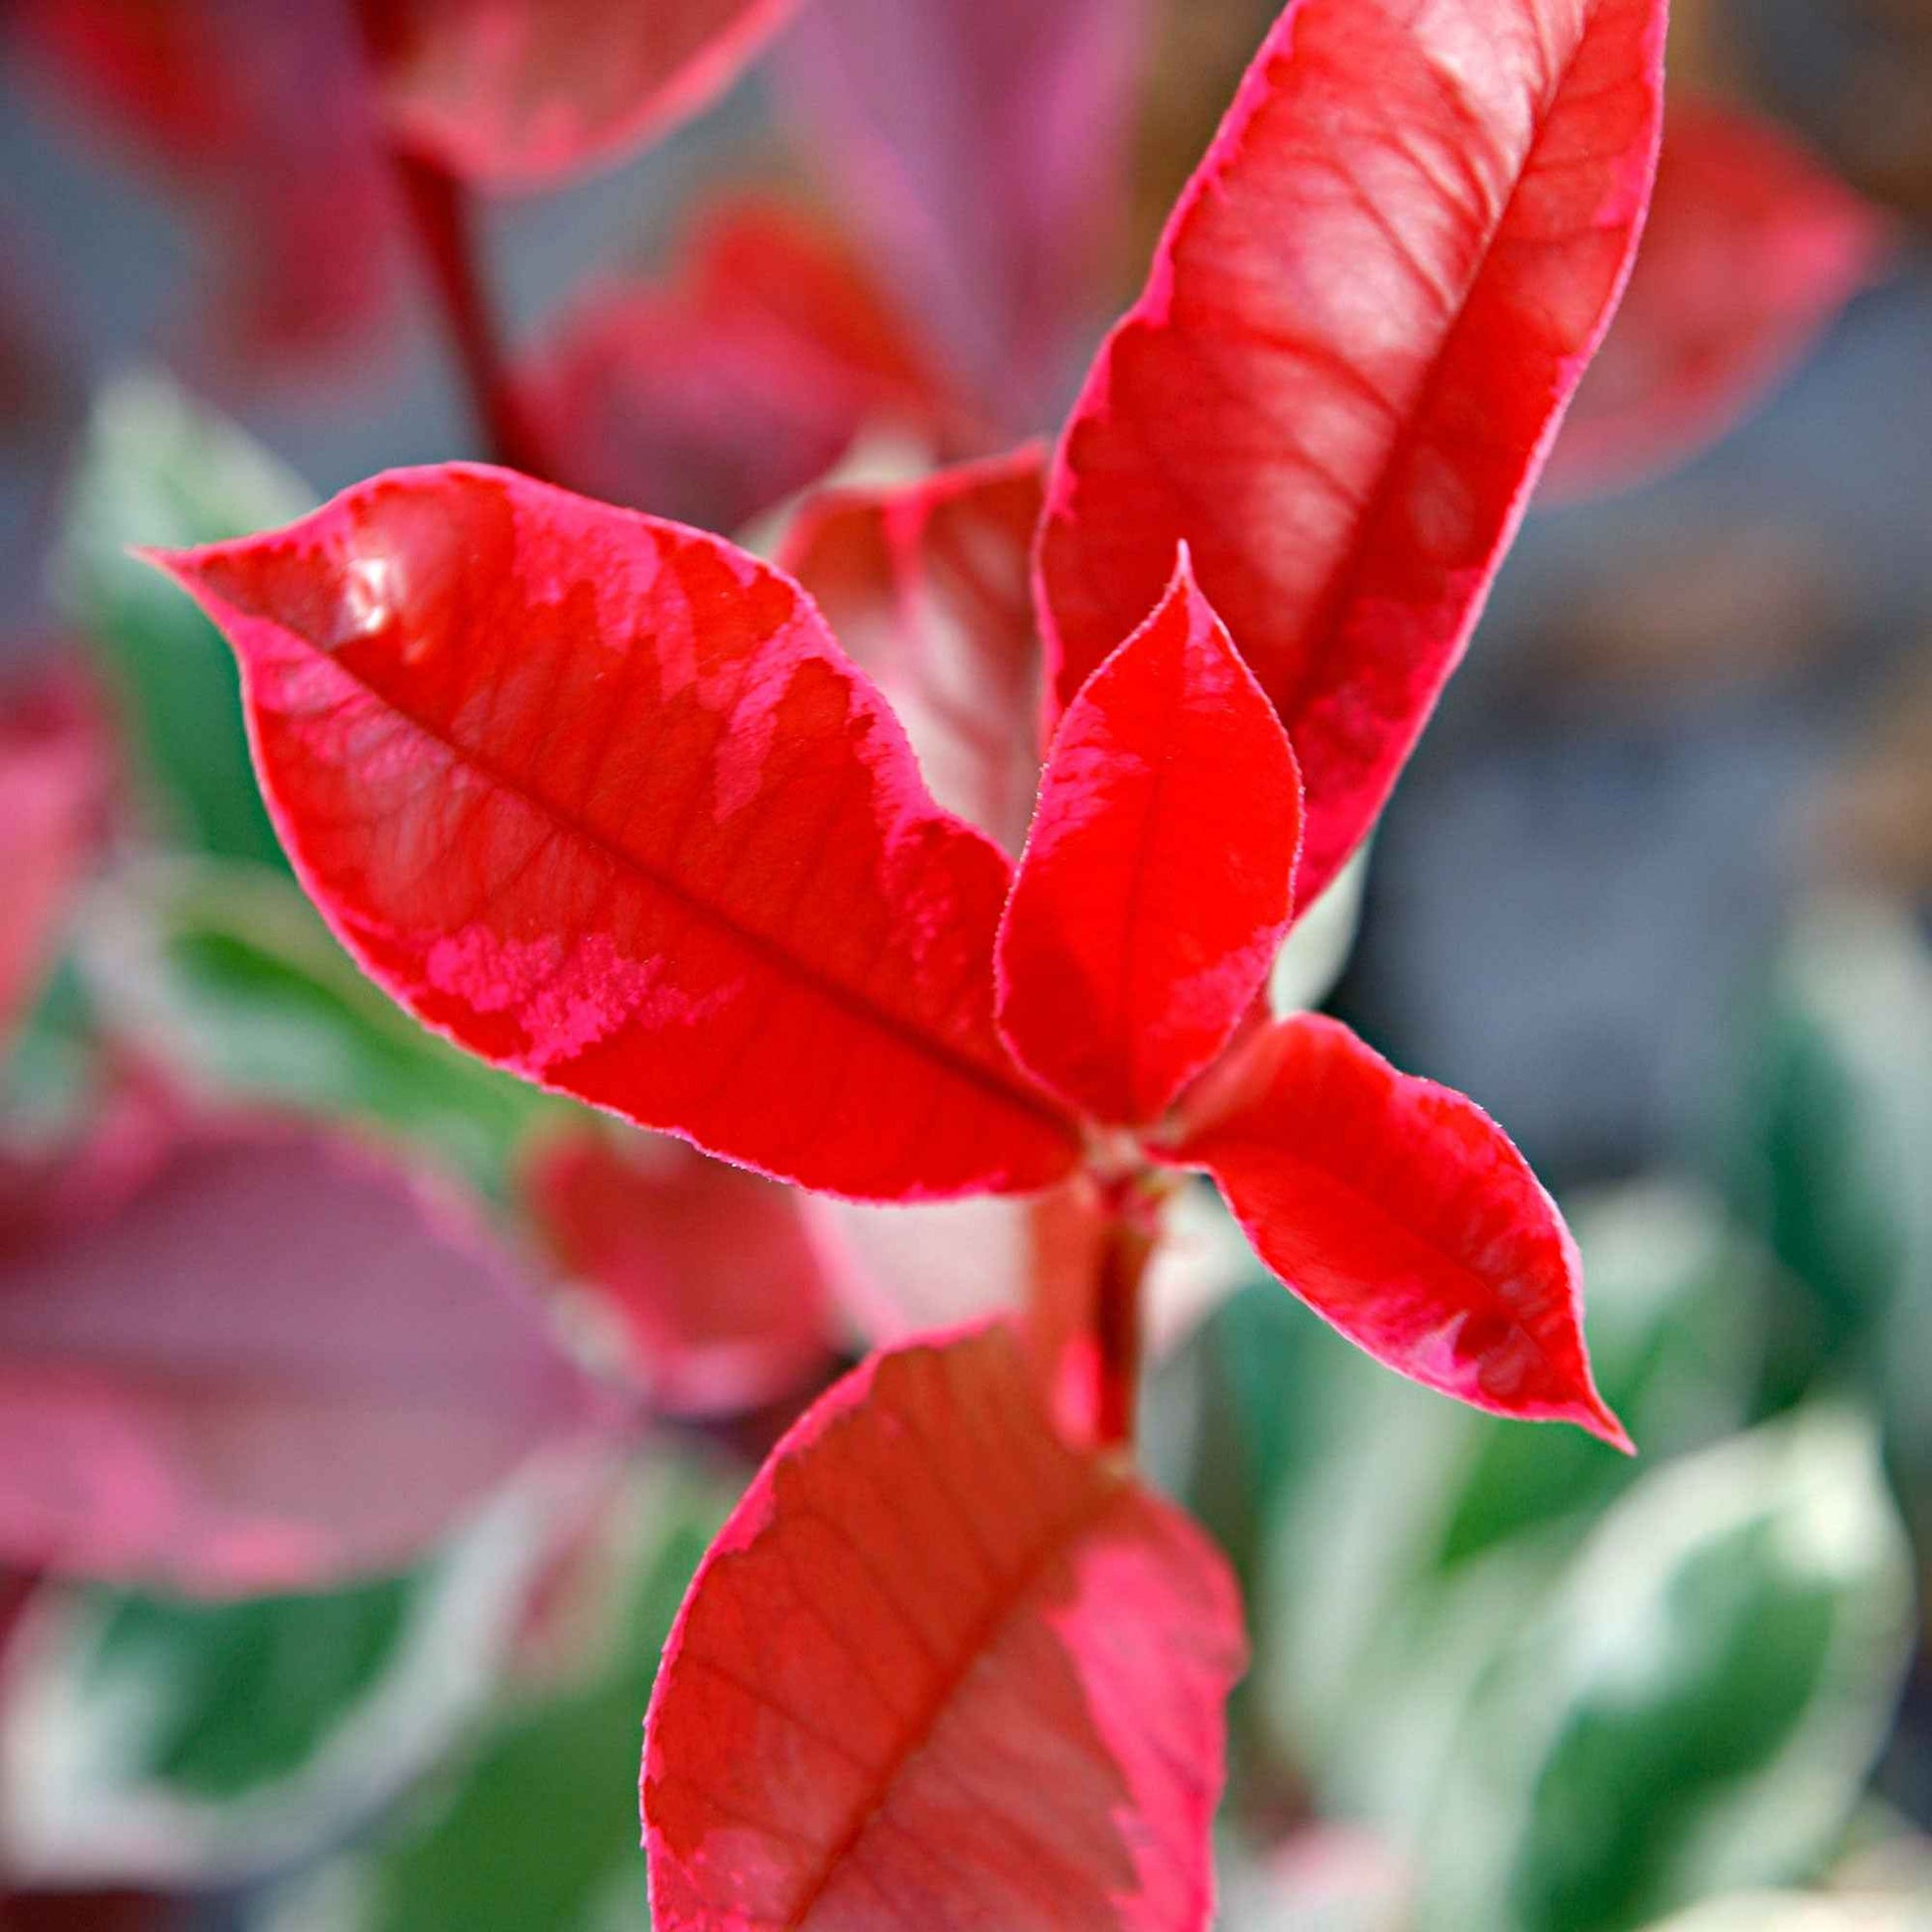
point(1399, 1212)
point(1156, 883)
point(716, 394)
point(268, 1361)
point(52, 787)
point(926, 588)
point(598, 798)
point(708, 1272)
point(985, 147)
point(1750, 249)
point(525, 93)
point(1368, 308)
point(261, 113)
point(166, 75)
point(940, 1670)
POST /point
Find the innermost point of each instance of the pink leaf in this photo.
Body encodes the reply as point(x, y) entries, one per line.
point(1155, 885)
point(939, 1669)
point(984, 146)
point(525, 93)
point(52, 788)
point(1368, 309)
point(715, 394)
point(708, 1273)
point(1399, 1212)
point(1751, 250)
point(926, 588)
point(598, 798)
point(267, 1361)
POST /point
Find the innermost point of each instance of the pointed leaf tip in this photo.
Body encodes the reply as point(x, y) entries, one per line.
point(1340, 379)
point(598, 798)
point(940, 1664)
point(1126, 960)
point(1400, 1212)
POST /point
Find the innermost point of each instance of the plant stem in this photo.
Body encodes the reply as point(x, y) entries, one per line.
point(1116, 1323)
point(439, 213)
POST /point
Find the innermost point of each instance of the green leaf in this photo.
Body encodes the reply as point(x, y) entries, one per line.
point(1833, 1141)
point(49, 1072)
point(161, 1741)
point(537, 1824)
point(1273, 1383)
point(1696, 1706)
point(227, 975)
point(158, 467)
point(254, 1686)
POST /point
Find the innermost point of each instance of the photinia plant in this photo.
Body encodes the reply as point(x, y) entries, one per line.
point(602, 798)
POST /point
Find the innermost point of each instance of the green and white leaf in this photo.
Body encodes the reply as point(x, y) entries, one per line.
point(147, 1741)
point(535, 1823)
point(158, 467)
point(1695, 1709)
point(1834, 1143)
point(225, 975)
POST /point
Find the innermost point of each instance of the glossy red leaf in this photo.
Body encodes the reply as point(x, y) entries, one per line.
point(740, 380)
point(985, 149)
point(926, 588)
point(53, 786)
point(1751, 249)
point(525, 93)
point(263, 1361)
point(598, 798)
point(707, 1275)
point(1368, 309)
point(1156, 881)
point(939, 1669)
point(1399, 1212)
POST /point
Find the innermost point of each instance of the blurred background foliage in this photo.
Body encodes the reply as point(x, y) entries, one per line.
point(1655, 891)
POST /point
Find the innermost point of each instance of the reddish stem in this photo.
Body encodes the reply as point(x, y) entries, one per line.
point(1132, 1230)
point(439, 213)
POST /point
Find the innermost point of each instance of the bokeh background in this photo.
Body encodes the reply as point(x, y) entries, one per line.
point(1655, 891)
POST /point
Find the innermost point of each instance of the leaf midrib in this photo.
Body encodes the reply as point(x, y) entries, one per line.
point(1007, 1604)
point(846, 998)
